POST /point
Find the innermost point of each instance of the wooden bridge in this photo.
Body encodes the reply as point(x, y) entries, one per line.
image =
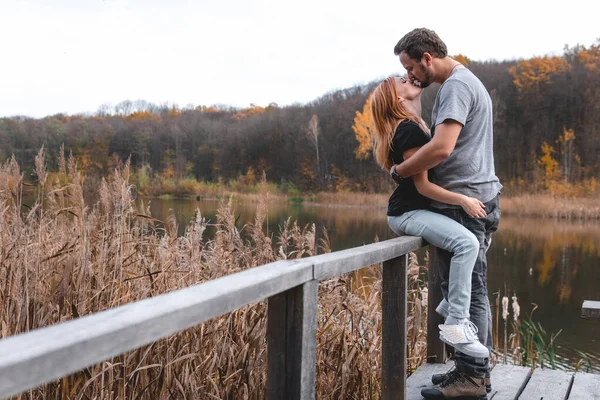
point(511, 382)
point(290, 287)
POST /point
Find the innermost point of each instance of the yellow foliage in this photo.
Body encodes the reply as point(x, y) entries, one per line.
point(553, 179)
point(249, 178)
point(168, 172)
point(342, 182)
point(548, 163)
point(531, 73)
point(362, 130)
point(546, 265)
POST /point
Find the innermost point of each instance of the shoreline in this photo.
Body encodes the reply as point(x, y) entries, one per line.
point(542, 206)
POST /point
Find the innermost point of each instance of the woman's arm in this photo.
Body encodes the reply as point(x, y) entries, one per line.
point(471, 205)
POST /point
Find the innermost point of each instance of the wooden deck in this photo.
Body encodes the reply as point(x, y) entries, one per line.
point(510, 382)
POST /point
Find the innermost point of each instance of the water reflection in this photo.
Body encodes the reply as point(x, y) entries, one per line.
point(346, 226)
point(553, 264)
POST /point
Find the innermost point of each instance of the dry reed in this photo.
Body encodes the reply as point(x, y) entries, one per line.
point(548, 206)
point(62, 259)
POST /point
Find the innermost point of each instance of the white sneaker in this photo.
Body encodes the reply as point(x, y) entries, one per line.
point(462, 335)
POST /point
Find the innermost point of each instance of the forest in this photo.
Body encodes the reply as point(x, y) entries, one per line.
point(546, 135)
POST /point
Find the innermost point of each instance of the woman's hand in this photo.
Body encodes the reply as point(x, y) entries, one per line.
point(473, 207)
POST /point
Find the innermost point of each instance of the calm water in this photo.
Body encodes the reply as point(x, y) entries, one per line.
point(555, 265)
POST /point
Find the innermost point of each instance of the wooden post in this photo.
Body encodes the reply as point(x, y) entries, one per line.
point(436, 350)
point(292, 343)
point(393, 330)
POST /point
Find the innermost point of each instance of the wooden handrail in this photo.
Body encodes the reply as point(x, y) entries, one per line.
point(34, 358)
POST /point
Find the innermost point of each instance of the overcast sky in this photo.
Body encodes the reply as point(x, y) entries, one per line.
point(71, 56)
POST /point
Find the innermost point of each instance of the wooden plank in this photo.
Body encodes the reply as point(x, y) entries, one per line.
point(394, 299)
point(43, 355)
point(585, 387)
point(436, 349)
point(508, 381)
point(590, 309)
point(340, 262)
point(421, 378)
point(292, 343)
point(547, 384)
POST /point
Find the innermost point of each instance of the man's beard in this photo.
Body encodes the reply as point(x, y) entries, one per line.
point(428, 80)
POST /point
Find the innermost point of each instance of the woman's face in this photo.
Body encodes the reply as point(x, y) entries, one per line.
point(406, 90)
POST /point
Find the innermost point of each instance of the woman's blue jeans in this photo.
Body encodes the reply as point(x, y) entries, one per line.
point(445, 233)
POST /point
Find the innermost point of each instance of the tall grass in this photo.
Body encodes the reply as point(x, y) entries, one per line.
point(548, 206)
point(62, 258)
point(524, 341)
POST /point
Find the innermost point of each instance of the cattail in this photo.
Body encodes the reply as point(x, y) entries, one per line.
point(516, 308)
point(40, 169)
point(62, 164)
point(504, 308)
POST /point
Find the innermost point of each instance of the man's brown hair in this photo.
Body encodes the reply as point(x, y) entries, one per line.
point(419, 41)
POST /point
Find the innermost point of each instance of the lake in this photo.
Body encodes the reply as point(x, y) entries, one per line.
point(552, 264)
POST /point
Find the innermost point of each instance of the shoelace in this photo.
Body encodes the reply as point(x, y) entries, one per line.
point(470, 330)
point(452, 377)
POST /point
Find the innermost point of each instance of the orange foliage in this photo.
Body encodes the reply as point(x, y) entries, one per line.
point(252, 110)
point(590, 57)
point(464, 60)
point(362, 130)
point(174, 112)
point(206, 109)
point(143, 115)
point(531, 73)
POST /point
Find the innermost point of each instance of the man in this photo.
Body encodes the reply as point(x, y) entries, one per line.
point(461, 156)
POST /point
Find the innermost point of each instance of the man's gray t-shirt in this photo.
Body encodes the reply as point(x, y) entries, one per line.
point(469, 169)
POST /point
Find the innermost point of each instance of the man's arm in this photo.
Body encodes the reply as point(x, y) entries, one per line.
point(434, 152)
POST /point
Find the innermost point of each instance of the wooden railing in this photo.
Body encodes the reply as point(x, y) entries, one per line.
point(32, 359)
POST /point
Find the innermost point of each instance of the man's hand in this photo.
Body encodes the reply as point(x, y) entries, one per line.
point(434, 152)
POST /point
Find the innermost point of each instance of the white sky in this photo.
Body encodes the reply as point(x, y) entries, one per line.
point(71, 56)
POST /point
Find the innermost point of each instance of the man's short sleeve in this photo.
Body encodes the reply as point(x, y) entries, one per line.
point(454, 102)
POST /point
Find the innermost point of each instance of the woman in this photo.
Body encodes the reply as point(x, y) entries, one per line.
point(399, 131)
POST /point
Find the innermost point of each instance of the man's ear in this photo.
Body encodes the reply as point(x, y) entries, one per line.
point(427, 58)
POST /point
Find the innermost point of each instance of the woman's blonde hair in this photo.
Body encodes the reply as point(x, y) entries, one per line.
point(388, 111)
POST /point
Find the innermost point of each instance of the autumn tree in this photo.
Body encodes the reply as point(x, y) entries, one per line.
point(533, 73)
point(363, 125)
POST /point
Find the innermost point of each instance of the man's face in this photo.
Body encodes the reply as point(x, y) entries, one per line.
point(419, 73)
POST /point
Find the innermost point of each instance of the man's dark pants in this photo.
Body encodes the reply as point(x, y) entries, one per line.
point(480, 312)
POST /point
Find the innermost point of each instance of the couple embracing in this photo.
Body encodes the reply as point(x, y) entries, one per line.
point(447, 193)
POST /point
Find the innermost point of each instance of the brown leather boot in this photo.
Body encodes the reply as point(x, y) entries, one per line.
point(436, 379)
point(457, 385)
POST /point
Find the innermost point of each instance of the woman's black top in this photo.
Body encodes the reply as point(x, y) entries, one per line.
point(406, 197)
